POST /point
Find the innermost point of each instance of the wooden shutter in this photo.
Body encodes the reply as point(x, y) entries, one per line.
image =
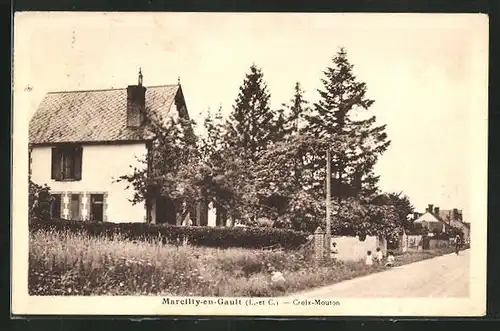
point(56, 164)
point(78, 162)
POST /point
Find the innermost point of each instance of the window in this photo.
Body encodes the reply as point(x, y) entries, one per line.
point(97, 207)
point(67, 163)
point(55, 211)
point(75, 206)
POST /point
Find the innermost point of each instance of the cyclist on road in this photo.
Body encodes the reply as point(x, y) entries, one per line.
point(458, 242)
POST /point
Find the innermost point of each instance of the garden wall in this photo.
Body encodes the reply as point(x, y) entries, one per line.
point(352, 249)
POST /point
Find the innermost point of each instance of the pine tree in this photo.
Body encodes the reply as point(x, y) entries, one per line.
point(251, 126)
point(298, 107)
point(336, 116)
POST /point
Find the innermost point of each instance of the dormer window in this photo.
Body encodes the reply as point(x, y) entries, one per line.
point(67, 163)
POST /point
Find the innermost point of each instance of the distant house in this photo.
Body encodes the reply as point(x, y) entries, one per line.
point(436, 219)
point(454, 217)
point(431, 220)
point(81, 141)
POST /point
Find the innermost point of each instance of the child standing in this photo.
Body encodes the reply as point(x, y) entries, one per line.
point(379, 255)
point(334, 250)
point(369, 258)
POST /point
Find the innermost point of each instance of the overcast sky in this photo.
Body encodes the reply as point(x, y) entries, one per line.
point(426, 73)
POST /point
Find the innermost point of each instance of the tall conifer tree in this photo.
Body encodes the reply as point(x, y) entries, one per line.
point(341, 113)
point(251, 123)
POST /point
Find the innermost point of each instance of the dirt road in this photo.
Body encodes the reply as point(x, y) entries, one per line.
point(445, 276)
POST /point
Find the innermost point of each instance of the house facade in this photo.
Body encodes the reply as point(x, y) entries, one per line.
point(454, 217)
point(82, 141)
point(436, 219)
point(430, 221)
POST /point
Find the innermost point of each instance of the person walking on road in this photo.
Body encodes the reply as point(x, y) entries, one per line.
point(458, 241)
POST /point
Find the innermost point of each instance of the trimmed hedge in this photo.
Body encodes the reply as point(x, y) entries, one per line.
point(221, 237)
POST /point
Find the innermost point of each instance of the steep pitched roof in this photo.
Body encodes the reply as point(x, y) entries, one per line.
point(95, 116)
point(446, 214)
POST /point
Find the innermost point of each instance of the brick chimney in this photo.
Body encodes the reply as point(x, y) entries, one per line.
point(436, 210)
point(430, 208)
point(136, 102)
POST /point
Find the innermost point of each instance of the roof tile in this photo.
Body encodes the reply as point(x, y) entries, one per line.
point(95, 116)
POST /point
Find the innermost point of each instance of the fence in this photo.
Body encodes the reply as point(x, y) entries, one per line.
point(410, 243)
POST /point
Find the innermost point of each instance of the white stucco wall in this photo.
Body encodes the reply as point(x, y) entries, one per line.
point(352, 249)
point(101, 164)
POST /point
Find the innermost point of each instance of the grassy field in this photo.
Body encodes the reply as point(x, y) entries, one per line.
point(69, 264)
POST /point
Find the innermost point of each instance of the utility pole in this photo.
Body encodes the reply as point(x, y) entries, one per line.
point(328, 203)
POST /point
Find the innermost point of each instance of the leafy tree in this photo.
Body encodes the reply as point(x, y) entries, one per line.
point(226, 171)
point(338, 114)
point(453, 231)
point(282, 195)
point(417, 229)
point(172, 168)
point(404, 207)
point(278, 189)
point(279, 167)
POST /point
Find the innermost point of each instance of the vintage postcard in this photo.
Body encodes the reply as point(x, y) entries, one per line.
point(271, 164)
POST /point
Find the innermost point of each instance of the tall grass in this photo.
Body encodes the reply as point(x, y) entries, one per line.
point(63, 263)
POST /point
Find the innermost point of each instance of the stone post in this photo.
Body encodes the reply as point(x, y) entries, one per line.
point(319, 244)
point(403, 242)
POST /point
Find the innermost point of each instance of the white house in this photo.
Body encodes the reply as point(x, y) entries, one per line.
point(431, 220)
point(435, 218)
point(81, 141)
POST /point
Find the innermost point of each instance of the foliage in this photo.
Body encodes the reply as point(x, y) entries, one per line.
point(265, 163)
point(452, 232)
point(250, 126)
point(416, 229)
point(291, 172)
point(39, 201)
point(403, 207)
point(171, 168)
point(221, 237)
point(340, 114)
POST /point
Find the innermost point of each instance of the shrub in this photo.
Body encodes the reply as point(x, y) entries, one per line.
point(221, 237)
point(39, 201)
